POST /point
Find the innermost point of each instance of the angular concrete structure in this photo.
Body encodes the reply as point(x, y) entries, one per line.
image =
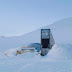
point(47, 41)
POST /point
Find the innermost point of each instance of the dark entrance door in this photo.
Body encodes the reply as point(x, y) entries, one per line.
point(45, 43)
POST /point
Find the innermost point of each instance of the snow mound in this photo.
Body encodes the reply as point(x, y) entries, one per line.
point(62, 34)
point(58, 52)
point(61, 31)
point(61, 52)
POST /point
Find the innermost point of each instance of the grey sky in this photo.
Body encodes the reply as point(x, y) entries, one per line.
point(18, 17)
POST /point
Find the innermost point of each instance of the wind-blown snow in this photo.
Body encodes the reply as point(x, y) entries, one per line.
point(59, 59)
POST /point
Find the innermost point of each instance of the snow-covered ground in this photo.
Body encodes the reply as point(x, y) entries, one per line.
point(59, 59)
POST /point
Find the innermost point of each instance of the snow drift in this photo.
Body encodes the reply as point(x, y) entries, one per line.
point(61, 31)
point(59, 59)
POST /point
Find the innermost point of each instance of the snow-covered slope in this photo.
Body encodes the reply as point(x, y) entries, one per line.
point(59, 59)
point(61, 31)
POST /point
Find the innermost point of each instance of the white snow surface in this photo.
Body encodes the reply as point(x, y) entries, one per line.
point(61, 30)
point(59, 58)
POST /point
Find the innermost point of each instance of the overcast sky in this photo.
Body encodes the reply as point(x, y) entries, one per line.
point(18, 17)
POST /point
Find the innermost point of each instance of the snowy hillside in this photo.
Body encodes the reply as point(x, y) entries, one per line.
point(59, 59)
point(61, 31)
